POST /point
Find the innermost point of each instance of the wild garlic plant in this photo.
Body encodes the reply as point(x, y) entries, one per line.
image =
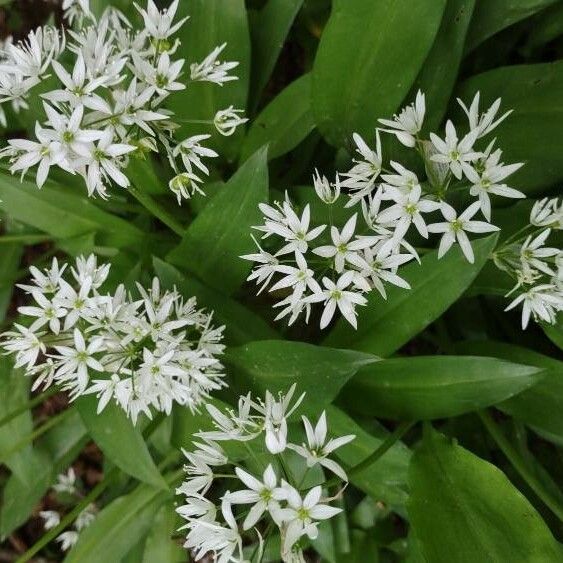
point(394, 202)
point(109, 103)
point(68, 492)
point(250, 475)
point(145, 354)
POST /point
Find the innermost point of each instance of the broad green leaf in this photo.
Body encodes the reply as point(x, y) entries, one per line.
point(284, 123)
point(55, 450)
point(463, 509)
point(384, 326)
point(385, 480)
point(427, 387)
point(160, 547)
point(119, 526)
point(212, 23)
point(490, 17)
point(63, 213)
point(274, 365)
point(555, 332)
point(120, 441)
point(213, 243)
point(368, 58)
point(541, 406)
point(439, 73)
point(532, 133)
point(269, 31)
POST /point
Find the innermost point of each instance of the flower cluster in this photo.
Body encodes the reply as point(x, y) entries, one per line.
point(536, 267)
point(109, 104)
point(395, 203)
point(68, 493)
point(144, 353)
point(278, 484)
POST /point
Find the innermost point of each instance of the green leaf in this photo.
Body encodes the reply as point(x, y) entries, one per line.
point(241, 324)
point(120, 441)
point(384, 326)
point(439, 73)
point(269, 31)
point(63, 213)
point(427, 387)
point(385, 480)
point(368, 58)
point(274, 365)
point(160, 547)
point(10, 258)
point(541, 406)
point(126, 521)
point(212, 23)
point(555, 332)
point(284, 123)
point(463, 509)
point(532, 134)
point(492, 17)
point(221, 232)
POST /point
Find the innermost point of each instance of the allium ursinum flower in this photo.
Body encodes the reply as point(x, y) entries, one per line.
point(144, 353)
point(408, 123)
point(109, 103)
point(537, 268)
point(396, 204)
point(278, 485)
point(68, 493)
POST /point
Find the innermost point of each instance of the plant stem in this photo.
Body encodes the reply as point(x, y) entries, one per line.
point(340, 530)
point(520, 465)
point(29, 405)
point(159, 212)
point(53, 421)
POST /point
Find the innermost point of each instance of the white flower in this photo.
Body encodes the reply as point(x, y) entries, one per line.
point(185, 185)
point(407, 210)
point(25, 344)
point(327, 192)
point(533, 253)
point(51, 518)
point(455, 228)
point(298, 278)
point(361, 177)
point(487, 178)
point(192, 152)
point(212, 70)
point(343, 249)
point(318, 448)
point(547, 213)
point(227, 120)
point(453, 152)
point(67, 539)
point(66, 482)
point(85, 518)
point(160, 24)
point(483, 123)
point(408, 123)
point(44, 152)
point(263, 495)
point(302, 514)
point(163, 77)
point(46, 312)
point(267, 267)
point(380, 265)
point(294, 229)
point(541, 301)
point(335, 295)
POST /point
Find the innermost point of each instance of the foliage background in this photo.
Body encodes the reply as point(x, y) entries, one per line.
point(485, 485)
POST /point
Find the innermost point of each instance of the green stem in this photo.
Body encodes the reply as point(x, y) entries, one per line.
point(340, 530)
point(520, 465)
point(159, 212)
point(26, 239)
point(28, 405)
point(26, 440)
